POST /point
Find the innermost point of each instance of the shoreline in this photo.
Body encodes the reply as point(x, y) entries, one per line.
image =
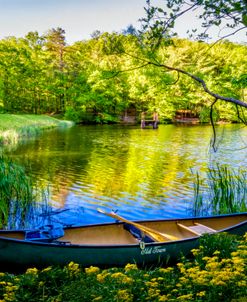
point(14, 127)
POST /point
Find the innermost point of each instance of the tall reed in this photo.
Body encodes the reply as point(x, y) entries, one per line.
point(17, 194)
point(225, 191)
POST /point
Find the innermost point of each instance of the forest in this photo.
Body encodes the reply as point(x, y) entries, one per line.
point(100, 79)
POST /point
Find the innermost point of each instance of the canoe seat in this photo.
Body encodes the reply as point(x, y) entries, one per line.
point(197, 228)
point(137, 233)
point(201, 228)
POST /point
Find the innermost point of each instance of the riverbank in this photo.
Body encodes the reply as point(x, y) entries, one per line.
point(14, 127)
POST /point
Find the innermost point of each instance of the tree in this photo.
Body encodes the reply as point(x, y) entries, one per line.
point(158, 29)
point(213, 14)
point(55, 46)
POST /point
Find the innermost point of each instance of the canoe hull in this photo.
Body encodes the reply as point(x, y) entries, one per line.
point(15, 254)
point(20, 254)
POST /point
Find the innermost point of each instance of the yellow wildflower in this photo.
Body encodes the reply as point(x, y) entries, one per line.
point(183, 280)
point(195, 252)
point(98, 298)
point(124, 295)
point(47, 269)
point(152, 284)
point(153, 292)
point(10, 296)
point(32, 271)
point(130, 267)
point(185, 297)
point(73, 268)
point(92, 270)
point(217, 282)
point(127, 280)
point(242, 283)
point(216, 253)
point(181, 267)
point(11, 288)
point(117, 275)
point(166, 270)
point(3, 283)
point(163, 298)
point(2, 274)
point(201, 294)
point(213, 266)
point(100, 278)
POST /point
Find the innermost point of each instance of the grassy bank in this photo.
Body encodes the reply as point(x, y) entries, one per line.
point(14, 127)
point(217, 273)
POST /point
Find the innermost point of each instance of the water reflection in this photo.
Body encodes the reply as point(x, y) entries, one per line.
point(142, 173)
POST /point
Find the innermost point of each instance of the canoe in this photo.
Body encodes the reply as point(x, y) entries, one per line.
point(111, 244)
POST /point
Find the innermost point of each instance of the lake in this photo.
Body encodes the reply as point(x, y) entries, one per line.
point(142, 173)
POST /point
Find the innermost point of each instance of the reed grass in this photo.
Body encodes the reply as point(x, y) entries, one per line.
point(225, 191)
point(18, 195)
point(14, 127)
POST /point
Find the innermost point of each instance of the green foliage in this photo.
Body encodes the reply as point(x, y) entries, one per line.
point(223, 242)
point(112, 72)
point(72, 115)
point(217, 273)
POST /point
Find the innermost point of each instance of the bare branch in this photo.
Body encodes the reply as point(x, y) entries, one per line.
point(126, 70)
point(195, 78)
point(213, 143)
point(226, 36)
point(205, 88)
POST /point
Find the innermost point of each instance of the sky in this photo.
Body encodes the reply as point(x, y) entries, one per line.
point(79, 18)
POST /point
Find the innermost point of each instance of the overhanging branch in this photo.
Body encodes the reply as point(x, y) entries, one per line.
point(203, 84)
point(195, 78)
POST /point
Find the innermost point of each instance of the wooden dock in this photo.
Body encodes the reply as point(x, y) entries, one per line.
point(152, 123)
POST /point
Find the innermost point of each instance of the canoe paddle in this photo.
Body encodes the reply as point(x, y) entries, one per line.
point(157, 236)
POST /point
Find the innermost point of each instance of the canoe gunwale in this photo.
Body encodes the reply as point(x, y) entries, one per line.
point(66, 245)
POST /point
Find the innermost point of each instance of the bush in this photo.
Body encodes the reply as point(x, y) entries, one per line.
point(72, 115)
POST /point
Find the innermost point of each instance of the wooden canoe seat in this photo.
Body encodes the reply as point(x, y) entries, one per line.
point(197, 229)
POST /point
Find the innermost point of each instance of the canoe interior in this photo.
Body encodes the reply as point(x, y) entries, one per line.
point(116, 234)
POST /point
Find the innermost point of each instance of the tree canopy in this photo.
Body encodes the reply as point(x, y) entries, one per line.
point(99, 79)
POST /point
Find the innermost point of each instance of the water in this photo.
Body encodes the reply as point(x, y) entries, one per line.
point(142, 173)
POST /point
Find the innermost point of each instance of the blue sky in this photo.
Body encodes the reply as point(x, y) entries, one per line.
point(79, 18)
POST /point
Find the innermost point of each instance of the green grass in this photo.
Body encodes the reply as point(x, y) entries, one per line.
point(223, 192)
point(14, 127)
point(217, 273)
point(18, 195)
